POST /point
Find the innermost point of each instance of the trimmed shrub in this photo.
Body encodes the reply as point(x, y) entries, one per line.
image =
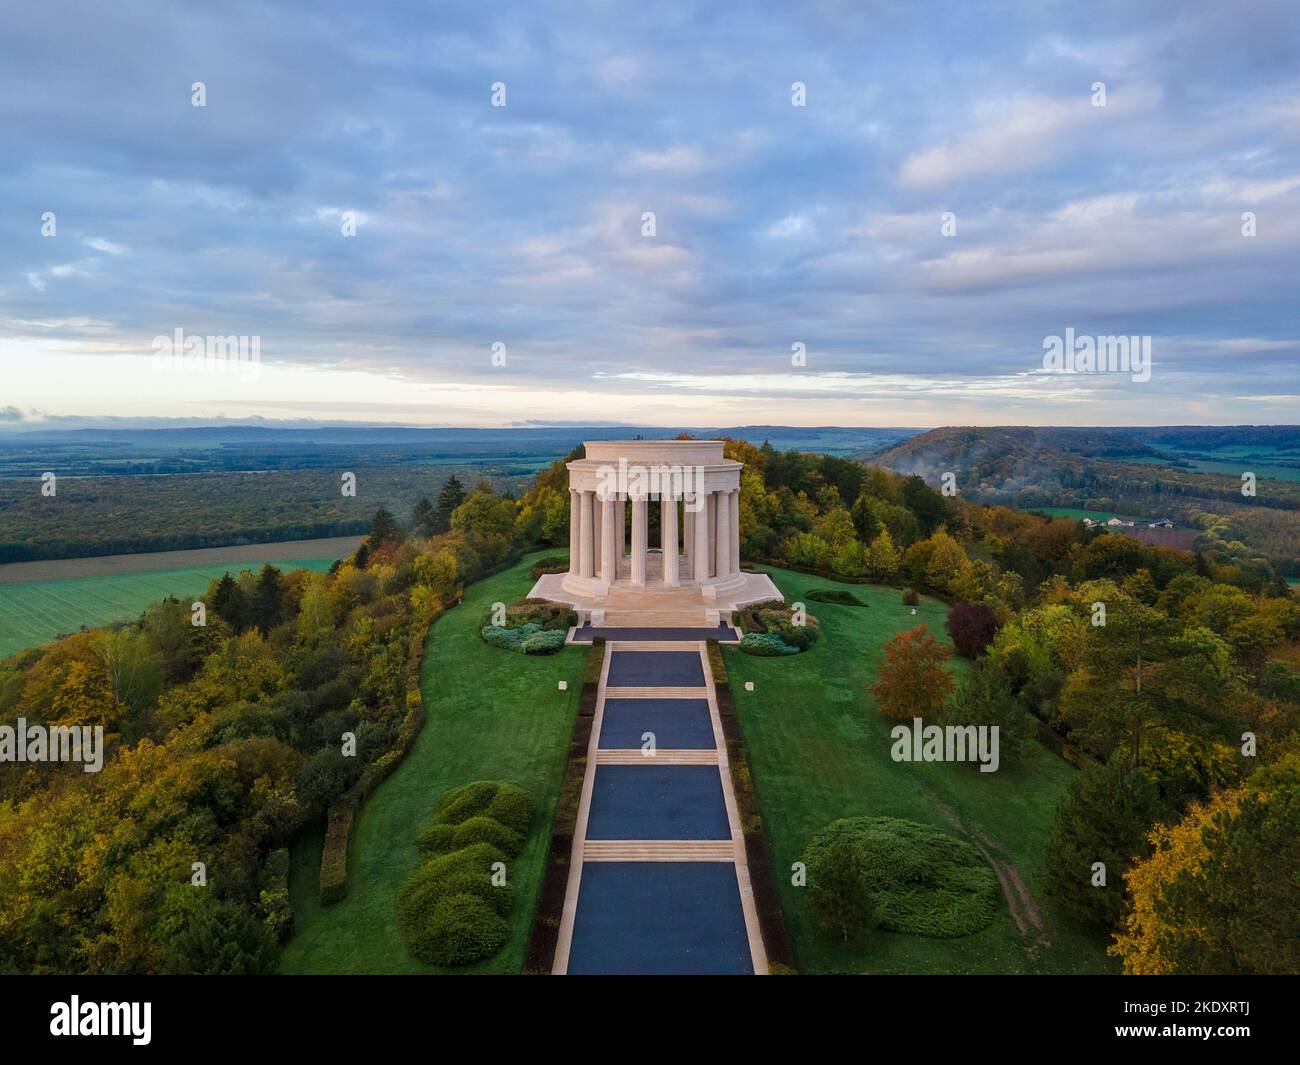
point(511, 806)
point(542, 612)
point(457, 930)
point(838, 596)
point(449, 912)
point(545, 642)
point(334, 854)
point(499, 799)
point(550, 564)
point(508, 639)
point(437, 838)
point(595, 661)
point(532, 627)
point(765, 645)
point(916, 879)
point(775, 619)
point(467, 871)
point(911, 597)
point(486, 830)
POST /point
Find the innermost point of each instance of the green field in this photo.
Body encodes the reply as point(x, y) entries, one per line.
point(36, 612)
point(1096, 515)
point(490, 714)
point(819, 751)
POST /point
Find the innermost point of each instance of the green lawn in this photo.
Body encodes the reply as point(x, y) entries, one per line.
point(819, 751)
point(35, 612)
point(491, 714)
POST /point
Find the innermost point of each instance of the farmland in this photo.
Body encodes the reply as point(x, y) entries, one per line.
point(34, 612)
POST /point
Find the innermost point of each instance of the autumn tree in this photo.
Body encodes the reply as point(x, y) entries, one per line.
point(881, 557)
point(85, 698)
point(133, 669)
point(972, 627)
point(912, 681)
point(487, 524)
point(1220, 893)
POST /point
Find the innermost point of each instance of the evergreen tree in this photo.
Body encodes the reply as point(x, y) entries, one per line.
point(450, 497)
point(1104, 817)
point(231, 604)
point(384, 530)
point(837, 892)
point(268, 599)
point(423, 518)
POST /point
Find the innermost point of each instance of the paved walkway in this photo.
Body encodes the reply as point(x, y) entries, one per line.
point(658, 882)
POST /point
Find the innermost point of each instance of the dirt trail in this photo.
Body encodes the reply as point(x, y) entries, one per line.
point(1024, 909)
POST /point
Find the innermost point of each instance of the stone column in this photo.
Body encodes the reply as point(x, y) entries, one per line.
point(688, 533)
point(735, 530)
point(639, 529)
point(597, 555)
point(711, 509)
point(722, 542)
point(701, 570)
point(586, 552)
point(668, 535)
point(621, 518)
point(608, 529)
point(575, 525)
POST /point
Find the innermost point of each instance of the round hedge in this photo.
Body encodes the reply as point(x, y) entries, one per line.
point(765, 645)
point(483, 829)
point(432, 929)
point(448, 911)
point(458, 930)
point(769, 630)
point(437, 838)
point(498, 799)
point(546, 642)
point(921, 881)
point(532, 627)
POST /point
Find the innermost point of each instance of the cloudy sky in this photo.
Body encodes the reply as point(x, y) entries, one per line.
point(774, 225)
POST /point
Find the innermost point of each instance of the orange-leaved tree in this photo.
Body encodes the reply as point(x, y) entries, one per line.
point(913, 682)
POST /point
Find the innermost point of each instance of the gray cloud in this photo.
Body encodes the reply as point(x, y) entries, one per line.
point(774, 224)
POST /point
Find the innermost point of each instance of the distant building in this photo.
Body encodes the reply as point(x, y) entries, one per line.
point(1163, 523)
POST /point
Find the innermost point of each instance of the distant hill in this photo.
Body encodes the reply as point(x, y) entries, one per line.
point(228, 448)
point(1190, 473)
